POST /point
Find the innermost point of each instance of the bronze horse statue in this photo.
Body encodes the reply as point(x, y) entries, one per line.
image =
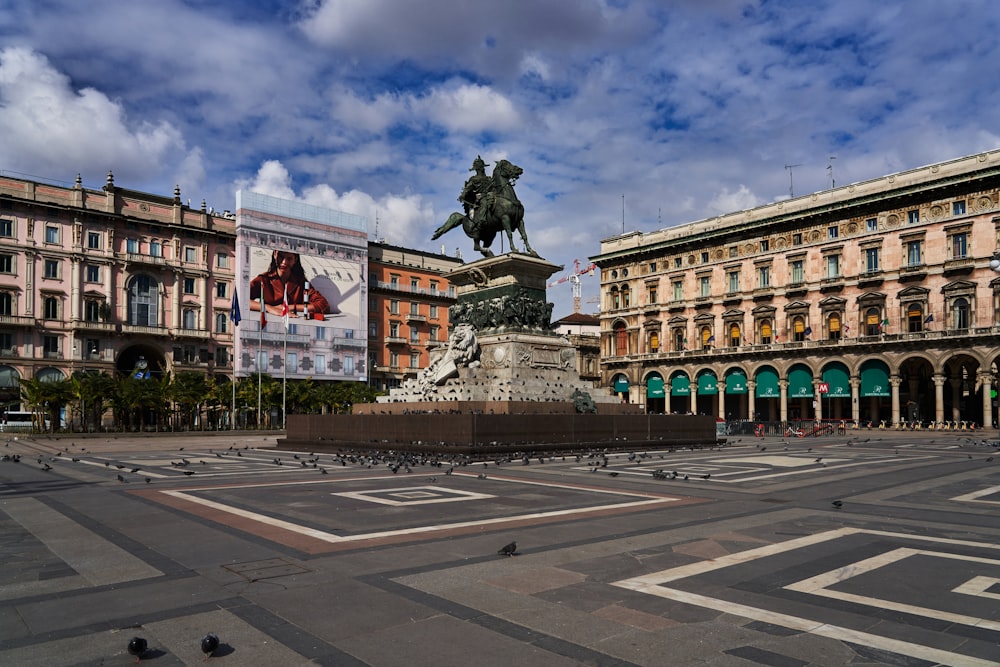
point(497, 209)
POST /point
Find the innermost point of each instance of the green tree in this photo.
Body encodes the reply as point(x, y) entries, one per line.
point(47, 398)
point(188, 390)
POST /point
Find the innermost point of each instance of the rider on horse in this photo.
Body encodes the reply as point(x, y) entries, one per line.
point(473, 196)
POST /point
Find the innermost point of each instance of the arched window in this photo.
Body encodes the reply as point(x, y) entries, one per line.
point(621, 339)
point(679, 339)
point(190, 319)
point(707, 338)
point(914, 318)
point(6, 303)
point(960, 313)
point(735, 337)
point(51, 308)
point(654, 341)
point(799, 329)
point(616, 301)
point(626, 297)
point(765, 332)
point(873, 322)
point(221, 322)
point(143, 301)
point(833, 326)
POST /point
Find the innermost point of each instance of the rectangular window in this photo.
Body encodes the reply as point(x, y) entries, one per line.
point(651, 294)
point(155, 249)
point(132, 246)
point(393, 329)
point(372, 304)
point(394, 282)
point(6, 342)
point(348, 365)
point(764, 276)
point(414, 335)
point(678, 287)
point(6, 263)
point(414, 284)
point(394, 359)
point(293, 362)
point(51, 234)
point(51, 268)
point(959, 245)
point(221, 322)
point(958, 208)
point(704, 286)
point(652, 267)
point(93, 274)
point(222, 356)
point(94, 240)
point(913, 217)
point(765, 245)
point(913, 253)
point(871, 224)
point(797, 238)
point(414, 360)
point(394, 306)
point(50, 345)
point(6, 227)
point(678, 262)
point(414, 308)
point(434, 312)
point(189, 285)
point(833, 232)
point(704, 257)
point(434, 287)
point(435, 332)
point(92, 310)
point(373, 329)
point(734, 281)
point(734, 251)
point(871, 260)
point(190, 255)
point(833, 266)
point(320, 361)
point(798, 271)
point(222, 260)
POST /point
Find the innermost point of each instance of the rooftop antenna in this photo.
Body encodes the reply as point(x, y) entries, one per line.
point(791, 184)
point(659, 217)
point(829, 168)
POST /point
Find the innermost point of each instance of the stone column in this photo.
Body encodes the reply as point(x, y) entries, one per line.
point(818, 398)
point(722, 399)
point(855, 400)
point(894, 382)
point(986, 382)
point(938, 397)
point(783, 400)
point(751, 399)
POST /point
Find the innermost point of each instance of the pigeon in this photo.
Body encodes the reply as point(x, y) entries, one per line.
point(708, 476)
point(613, 473)
point(508, 549)
point(209, 643)
point(838, 503)
point(148, 480)
point(137, 646)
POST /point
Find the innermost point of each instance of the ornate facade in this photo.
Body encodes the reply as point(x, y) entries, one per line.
point(870, 303)
point(110, 280)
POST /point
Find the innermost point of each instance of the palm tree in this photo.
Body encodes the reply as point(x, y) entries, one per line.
point(46, 398)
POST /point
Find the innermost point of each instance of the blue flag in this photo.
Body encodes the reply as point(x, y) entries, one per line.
point(234, 310)
point(808, 331)
point(929, 319)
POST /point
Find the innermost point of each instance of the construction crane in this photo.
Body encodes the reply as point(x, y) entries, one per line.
point(574, 279)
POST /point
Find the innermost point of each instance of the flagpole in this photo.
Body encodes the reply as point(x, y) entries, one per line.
point(284, 363)
point(260, 348)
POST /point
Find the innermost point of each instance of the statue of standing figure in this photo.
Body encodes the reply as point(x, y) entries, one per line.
point(490, 206)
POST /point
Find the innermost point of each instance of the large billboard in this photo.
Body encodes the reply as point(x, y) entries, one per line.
point(301, 290)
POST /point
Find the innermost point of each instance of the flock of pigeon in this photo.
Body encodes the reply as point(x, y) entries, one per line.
point(138, 646)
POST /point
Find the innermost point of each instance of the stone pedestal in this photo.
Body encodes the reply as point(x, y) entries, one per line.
point(517, 359)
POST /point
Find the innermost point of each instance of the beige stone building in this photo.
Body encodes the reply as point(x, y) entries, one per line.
point(873, 302)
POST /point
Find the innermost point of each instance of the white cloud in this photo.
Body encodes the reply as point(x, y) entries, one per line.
point(50, 129)
point(727, 201)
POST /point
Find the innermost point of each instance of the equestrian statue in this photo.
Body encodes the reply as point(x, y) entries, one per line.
point(490, 207)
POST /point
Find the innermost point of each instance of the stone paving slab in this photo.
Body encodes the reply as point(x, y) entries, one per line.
point(752, 565)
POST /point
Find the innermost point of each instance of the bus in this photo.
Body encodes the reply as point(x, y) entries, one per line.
point(20, 421)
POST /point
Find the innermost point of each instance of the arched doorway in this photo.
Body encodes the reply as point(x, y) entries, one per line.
point(680, 393)
point(656, 400)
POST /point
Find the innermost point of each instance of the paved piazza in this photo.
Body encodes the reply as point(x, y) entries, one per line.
point(736, 555)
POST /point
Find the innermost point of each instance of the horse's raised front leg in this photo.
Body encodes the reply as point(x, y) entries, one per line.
point(454, 220)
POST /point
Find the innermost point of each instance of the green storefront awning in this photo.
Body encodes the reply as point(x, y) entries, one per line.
point(840, 385)
point(620, 384)
point(736, 383)
point(680, 385)
point(654, 387)
point(874, 380)
point(800, 383)
point(767, 384)
point(708, 384)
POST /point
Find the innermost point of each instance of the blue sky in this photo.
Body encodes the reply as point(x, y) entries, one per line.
point(686, 108)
